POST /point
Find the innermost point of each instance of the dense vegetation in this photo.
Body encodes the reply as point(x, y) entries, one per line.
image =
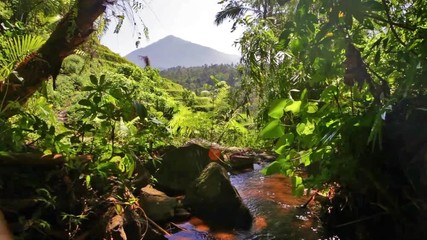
point(197, 78)
point(78, 148)
point(338, 87)
point(336, 82)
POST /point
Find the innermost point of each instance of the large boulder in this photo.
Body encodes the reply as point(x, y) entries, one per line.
point(215, 200)
point(180, 167)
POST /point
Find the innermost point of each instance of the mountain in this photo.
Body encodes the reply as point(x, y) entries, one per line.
point(172, 52)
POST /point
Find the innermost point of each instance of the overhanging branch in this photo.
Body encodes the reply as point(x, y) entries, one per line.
point(72, 31)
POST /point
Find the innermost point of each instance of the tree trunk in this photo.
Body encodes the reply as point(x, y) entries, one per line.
point(73, 30)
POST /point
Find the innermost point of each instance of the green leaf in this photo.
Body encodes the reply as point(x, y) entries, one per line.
point(377, 56)
point(111, 100)
point(304, 95)
point(329, 93)
point(88, 88)
point(285, 141)
point(105, 166)
point(88, 181)
point(295, 107)
point(116, 159)
point(93, 80)
point(305, 158)
point(277, 108)
point(312, 107)
point(60, 136)
point(274, 167)
point(297, 186)
point(273, 130)
point(85, 102)
point(298, 191)
point(86, 128)
point(296, 180)
point(140, 110)
point(102, 79)
point(96, 99)
point(296, 45)
point(305, 128)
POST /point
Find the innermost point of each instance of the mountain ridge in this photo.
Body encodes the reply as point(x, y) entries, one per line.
point(172, 51)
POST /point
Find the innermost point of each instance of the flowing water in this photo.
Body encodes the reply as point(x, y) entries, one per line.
point(276, 212)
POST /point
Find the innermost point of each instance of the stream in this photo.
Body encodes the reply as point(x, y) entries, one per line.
point(275, 210)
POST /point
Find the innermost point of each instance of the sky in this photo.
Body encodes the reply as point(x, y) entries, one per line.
point(191, 20)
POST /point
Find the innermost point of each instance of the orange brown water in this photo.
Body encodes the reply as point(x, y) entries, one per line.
point(274, 208)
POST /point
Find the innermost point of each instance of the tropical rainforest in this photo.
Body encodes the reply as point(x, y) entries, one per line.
point(336, 89)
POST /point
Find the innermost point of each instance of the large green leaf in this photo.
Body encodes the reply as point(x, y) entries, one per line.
point(297, 186)
point(294, 107)
point(274, 167)
point(93, 80)
point(140, 110)
point(305, 158)
point(277, 108)
point(273, 130)
point(85, 102)
point(285, 141)
point(303, 97)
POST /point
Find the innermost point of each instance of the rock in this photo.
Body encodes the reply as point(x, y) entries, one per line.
point(181, 214)
point(141, 177)
point(157, 205)
point(267, 157)
point(241, 162)
point(180, 167)
point(215, 200)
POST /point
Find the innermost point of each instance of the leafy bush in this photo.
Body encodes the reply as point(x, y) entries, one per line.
point(73, 64)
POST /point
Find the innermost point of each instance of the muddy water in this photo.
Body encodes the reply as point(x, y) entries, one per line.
point(275, 210)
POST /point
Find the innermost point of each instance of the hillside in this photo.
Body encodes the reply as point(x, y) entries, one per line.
point(172, 52)
point(195, 78)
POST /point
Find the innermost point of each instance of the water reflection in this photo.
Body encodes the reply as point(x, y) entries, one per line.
point(275, 210)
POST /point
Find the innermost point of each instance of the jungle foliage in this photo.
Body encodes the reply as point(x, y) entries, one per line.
point(78, 148)
point(330, 75)
point(332, 82)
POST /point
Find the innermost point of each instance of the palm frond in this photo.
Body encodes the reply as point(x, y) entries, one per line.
point(15, 50)
point(231, 11)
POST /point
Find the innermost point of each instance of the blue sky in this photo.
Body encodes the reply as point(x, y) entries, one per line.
point(191, 20)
